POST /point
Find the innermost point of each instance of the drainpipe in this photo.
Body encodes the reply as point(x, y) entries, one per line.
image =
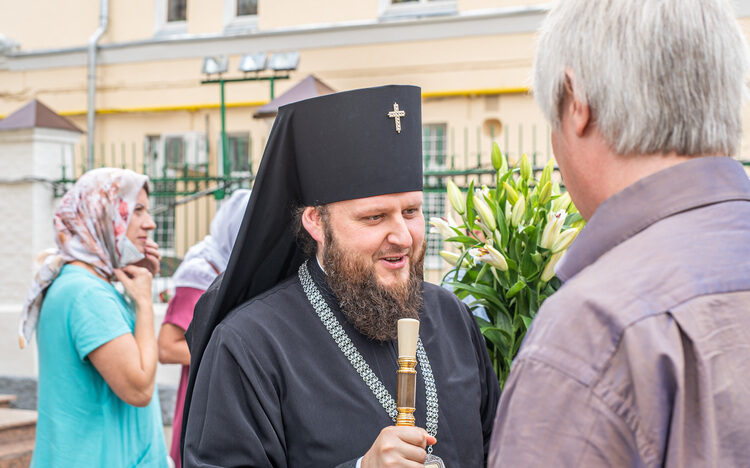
point(90, 113)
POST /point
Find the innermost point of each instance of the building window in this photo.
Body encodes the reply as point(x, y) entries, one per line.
point(247, 7)
point(240, 16)
point(167, 159)
point(176, 10)
point(170, 17)
point(239, 153)
point(240, 157)
point(434, 157)
point(397, 9)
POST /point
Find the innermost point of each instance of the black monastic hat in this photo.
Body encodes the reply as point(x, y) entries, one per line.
point(341, 146)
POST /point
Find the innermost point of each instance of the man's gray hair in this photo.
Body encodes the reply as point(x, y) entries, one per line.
point(657, 75)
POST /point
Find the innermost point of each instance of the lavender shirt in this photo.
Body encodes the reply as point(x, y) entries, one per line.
point(642, 358)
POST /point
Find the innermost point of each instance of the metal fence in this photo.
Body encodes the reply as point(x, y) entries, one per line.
point(188, 182)
point(185, 192)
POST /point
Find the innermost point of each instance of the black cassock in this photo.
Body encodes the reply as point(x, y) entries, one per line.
point(274, 389)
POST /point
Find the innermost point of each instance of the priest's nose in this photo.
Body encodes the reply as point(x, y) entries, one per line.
point(399, 234)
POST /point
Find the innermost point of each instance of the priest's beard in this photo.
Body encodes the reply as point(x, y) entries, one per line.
point(372, 308)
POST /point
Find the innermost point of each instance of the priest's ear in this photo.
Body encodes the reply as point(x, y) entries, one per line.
point(312, 221)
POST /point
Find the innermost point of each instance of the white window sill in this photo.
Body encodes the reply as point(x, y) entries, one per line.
point(241, 24)
point(174, 28)
point(418, 10)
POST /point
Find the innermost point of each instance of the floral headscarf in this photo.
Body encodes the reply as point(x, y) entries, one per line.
point(206, 259)
point(91, 225)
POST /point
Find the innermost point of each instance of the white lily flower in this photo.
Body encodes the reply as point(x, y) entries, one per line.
point(555, 221)
point(489, 255)
point(443, 227)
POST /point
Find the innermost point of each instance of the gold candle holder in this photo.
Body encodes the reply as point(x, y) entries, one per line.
point(406, 389)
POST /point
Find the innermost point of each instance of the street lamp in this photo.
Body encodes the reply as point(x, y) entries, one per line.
point(256, 62)
point(215, 65)
point(253, 62)
point(284, 61)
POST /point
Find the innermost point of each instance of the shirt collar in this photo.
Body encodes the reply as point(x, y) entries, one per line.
point(699, 182)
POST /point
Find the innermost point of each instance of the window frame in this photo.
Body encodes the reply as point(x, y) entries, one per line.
point(434, 157)
point(162, 27)
point(238, 24)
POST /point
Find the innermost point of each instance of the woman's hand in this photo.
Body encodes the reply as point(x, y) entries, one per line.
point(152, 260)
point(136, 281)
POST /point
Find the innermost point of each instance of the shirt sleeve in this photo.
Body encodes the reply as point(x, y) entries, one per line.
point(489, 385)
point(547, 418)
point(181, 307)
point(97, 318)
point(234, 399)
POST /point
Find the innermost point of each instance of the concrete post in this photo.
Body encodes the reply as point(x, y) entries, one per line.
point(30, 159)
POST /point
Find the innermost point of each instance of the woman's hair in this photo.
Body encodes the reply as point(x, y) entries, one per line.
point(657, 75)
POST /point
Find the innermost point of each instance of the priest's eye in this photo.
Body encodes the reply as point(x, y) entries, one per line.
point(373, 217)
point(411, 212)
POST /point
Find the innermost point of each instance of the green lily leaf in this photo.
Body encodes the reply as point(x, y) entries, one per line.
point(515, 289)
point(462, 240)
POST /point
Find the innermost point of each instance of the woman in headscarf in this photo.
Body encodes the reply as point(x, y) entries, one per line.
point(97, 403)
point(201, 265)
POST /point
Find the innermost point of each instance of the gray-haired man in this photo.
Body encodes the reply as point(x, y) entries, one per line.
point(643, 356)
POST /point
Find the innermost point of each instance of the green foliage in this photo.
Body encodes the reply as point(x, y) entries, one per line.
point(504, 250)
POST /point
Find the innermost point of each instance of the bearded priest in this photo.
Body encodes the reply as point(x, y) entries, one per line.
point(294, 358)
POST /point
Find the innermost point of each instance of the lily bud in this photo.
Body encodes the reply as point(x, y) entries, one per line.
point(511, 194)
point(555, 189)
point(561, 203)
point(498, 160)
point(525, 167)
point(491, 256)
point(453, 258)
point(549, 269)
point(555, 221)
point(456, 198)
point(547, 172)
point(518, 210)
point(484, 210)
point(564, 240)
point(441, 226)
point(545, 194)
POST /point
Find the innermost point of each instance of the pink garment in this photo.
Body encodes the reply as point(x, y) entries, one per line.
point(180, 313)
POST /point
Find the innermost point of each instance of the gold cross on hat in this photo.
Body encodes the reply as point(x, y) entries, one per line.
point(397, 114)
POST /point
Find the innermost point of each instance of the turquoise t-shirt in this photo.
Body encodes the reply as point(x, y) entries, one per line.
point(82, 422)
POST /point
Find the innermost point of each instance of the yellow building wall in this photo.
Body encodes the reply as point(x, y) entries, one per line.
point(281, 14)
point(48, 24)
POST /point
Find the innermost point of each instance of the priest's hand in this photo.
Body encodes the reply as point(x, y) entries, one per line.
point(398, 446)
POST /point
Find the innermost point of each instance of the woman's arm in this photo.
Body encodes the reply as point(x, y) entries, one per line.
point(128, 362)
point(173, 348)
